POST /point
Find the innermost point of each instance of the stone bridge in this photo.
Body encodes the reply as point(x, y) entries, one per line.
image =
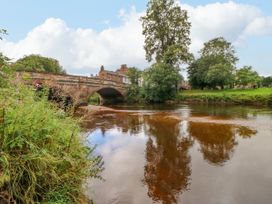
point(80, 88)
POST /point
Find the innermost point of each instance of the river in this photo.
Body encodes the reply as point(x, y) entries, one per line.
point(189, 154)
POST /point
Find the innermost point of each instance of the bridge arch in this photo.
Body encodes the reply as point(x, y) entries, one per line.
point(79, 88)
point(109, 95)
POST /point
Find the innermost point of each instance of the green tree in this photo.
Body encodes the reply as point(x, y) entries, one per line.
point(167, 32)
point(160, 82)
point(247, 76)
point(134, 88)
point(3, 60)
point(219, 75)
point(220, 47)
point(197, 72)
point(267, 81)
point(215, 67)
point(38, 63)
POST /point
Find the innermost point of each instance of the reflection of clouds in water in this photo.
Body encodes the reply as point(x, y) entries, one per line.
point(151, 157)
point(184, 129)
point(122, 173)
point(245, 178)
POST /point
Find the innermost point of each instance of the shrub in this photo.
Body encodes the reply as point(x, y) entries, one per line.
point(42, 154)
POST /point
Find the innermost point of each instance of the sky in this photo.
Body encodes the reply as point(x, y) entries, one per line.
point(84, 34)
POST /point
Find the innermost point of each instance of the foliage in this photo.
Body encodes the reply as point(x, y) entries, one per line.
point(197, 72)
point(160, 82)
point(4, 69)
point(260, 96)
point(215, 67)
point(3, 60)
point(42, 155)
point(247, 76)
point(220, 47)
point(94, 99)
point(38, 63)
point(220, 75)
point(267, 81)
point(167, 32)
point(134, 89)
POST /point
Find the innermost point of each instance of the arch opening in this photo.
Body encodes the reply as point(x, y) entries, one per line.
point(110, 96)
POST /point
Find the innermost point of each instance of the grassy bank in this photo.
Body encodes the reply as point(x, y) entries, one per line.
point(42, 156)
point(261, 96)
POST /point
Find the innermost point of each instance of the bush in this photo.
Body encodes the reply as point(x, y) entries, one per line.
point(42, 155)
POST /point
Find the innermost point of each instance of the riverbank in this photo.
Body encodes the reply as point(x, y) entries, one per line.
point(261, 96)
point(43, 156)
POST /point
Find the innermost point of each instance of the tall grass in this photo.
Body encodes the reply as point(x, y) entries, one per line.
point(42, 155)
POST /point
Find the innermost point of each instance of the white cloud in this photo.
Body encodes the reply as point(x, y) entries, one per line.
point(260, 26)
point(230, 20)
point(84, 50)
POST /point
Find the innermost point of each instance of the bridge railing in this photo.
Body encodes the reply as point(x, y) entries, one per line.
point(62, 78)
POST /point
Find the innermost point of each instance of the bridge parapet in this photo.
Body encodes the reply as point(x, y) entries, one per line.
point(79, 87)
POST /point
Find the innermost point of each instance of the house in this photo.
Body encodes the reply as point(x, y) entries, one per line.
point(120, 75)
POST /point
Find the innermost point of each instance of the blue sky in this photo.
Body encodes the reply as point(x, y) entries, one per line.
point(20, 17)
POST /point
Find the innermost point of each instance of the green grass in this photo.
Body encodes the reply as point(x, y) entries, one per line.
point(42, 156)
point(261, 96)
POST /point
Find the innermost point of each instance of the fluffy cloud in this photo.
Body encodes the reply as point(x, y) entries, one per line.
point(82, 51)
point(231, 20)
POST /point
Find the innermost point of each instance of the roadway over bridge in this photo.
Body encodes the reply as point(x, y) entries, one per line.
point(80, 88)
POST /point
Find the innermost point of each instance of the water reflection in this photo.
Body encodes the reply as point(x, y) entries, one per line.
point(164, 155)
point(217, 141)
point(167, 168)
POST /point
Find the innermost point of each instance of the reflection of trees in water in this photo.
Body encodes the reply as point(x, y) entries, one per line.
point(221, 111)
point(126, 123)
point(217, 141)
point(168, 164)
point(167, 168)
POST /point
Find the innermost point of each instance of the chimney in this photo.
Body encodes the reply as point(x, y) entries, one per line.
point(123, 66)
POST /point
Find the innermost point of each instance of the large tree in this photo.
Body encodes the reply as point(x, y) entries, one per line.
point(160, 82)
point(216, 65)
point(38, 63)
point(246, 76)
point(167, 32)
point(220, 47)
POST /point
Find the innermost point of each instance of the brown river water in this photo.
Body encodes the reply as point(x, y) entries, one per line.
point(188, 154)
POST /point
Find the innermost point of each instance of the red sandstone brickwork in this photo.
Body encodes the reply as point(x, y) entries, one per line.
point(118, 76)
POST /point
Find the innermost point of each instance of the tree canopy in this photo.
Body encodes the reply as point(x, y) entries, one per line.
point(220, 47)
point(215, 67)
point(38, 63)
point(134, 88)
point(267, 81)
point(3, 60)
point(247, 76)
point(160, 82)
point(167, 32)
